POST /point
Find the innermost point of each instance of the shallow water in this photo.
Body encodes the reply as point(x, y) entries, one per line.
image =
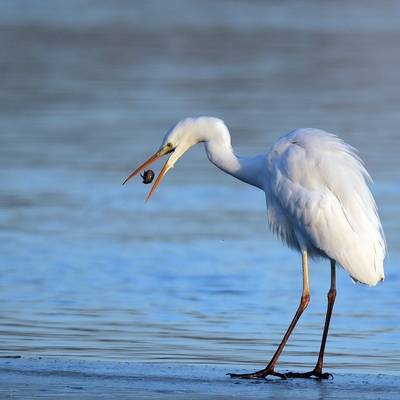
point(88, 90)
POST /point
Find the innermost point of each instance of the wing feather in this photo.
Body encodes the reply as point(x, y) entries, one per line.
point(318, 198)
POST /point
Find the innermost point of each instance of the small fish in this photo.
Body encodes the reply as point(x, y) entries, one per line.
point(147, 176)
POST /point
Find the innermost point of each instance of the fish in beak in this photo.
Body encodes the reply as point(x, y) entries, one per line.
point(166, 149)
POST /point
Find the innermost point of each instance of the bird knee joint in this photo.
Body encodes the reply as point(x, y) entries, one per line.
point(305, 300)
point(332, 294)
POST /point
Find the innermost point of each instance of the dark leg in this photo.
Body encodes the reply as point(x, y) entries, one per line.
point(317, 371)
point(305, 299)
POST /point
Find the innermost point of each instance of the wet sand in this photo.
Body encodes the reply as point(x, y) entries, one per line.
point(37, 378)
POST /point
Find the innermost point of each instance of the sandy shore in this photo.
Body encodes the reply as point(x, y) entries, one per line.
point(36, 378)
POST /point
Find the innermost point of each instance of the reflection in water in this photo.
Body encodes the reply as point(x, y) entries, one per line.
point(194, 276)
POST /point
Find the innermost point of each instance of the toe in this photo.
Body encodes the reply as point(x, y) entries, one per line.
point(258, 375)
point(325, 375)
point(310, 374)
point(246, 376)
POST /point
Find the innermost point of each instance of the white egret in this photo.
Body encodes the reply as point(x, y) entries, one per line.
point(318, 203)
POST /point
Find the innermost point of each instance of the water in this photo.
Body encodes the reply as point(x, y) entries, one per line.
point(88, 90)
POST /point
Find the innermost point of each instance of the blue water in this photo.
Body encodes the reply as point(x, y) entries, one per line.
point(87, 91)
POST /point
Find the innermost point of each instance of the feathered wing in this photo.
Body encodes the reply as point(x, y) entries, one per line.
point(318, 198)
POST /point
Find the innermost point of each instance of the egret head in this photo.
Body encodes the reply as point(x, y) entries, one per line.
point(177, 141)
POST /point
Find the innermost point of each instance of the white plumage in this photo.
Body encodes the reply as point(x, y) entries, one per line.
point(318, 199)
point(318, 202)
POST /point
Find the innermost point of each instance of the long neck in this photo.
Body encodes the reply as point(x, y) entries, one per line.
point(217, 141)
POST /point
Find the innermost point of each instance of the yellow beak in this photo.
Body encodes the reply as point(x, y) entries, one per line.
point(162, 152)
